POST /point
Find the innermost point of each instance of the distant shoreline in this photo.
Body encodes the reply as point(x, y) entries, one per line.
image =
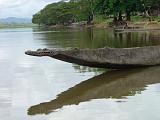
point(16, 25)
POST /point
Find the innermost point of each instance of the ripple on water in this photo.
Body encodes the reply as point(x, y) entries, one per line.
point(5, 97)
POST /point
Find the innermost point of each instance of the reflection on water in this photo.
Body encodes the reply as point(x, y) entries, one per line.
point(97, 38)
point(84, 69)
point(72, 90)
point(113, 84)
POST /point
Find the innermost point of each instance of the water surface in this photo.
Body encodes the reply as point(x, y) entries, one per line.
point(33, 88)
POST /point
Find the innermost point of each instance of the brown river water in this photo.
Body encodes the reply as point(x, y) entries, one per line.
point(42, 88)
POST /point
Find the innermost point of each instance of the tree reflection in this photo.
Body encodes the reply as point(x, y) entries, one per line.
point(98, 38)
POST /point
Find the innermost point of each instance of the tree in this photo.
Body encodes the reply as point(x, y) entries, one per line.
point(84, 10)
point(55, 13)
point(150, 4)
point(131, 6)
point(36, 18)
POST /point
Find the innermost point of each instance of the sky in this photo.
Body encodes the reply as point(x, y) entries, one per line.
point(22, 8)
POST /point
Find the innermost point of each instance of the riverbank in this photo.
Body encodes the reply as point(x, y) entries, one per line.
point(136, 22)
point(130, 25)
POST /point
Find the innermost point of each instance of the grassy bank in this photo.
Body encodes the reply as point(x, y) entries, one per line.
point(144, 19)
point(102, 21)
point(136, 21)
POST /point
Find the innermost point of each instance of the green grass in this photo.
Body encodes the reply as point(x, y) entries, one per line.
point(138, 19)
point(102, 19)
point(157, 18)
point(144, 19)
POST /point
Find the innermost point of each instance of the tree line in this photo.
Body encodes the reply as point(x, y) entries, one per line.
point(85, 10)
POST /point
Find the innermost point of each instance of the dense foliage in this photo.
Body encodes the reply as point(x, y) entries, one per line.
point(85, 10)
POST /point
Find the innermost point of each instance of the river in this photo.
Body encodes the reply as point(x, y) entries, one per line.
point(42, 88)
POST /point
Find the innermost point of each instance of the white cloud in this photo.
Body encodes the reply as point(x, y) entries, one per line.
point(11, 3)
point(22, 8)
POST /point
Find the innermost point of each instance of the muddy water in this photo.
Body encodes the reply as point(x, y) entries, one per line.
point(34, 88)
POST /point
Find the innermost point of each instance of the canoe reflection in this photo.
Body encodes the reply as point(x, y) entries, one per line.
point(114, 84)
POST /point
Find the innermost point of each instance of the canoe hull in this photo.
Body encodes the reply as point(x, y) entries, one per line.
point(114, 58)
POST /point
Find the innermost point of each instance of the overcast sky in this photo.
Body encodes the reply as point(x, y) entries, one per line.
point(21, 8)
